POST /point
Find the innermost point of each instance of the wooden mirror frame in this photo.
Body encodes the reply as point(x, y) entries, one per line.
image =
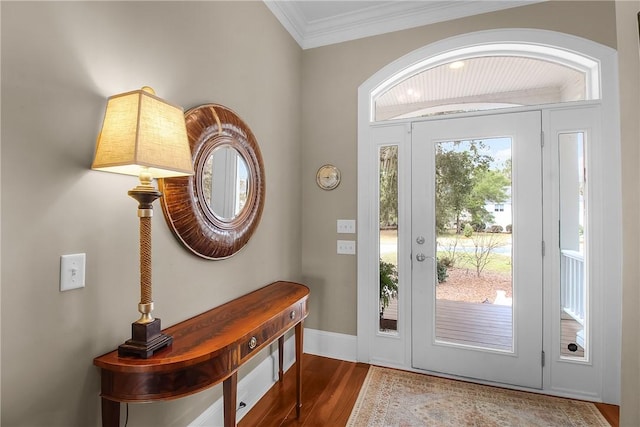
point(189, 217)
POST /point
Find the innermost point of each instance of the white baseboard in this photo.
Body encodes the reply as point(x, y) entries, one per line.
point(251, 387)
point(330, 344)
point(256, 383)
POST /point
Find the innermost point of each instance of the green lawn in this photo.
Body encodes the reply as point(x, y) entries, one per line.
point(498, 263)
point(449, 238)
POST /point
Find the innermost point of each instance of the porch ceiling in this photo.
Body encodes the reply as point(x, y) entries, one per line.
point(496, 80)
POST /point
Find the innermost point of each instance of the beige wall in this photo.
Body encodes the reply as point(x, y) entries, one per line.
point(629, 63)
point(60, 61)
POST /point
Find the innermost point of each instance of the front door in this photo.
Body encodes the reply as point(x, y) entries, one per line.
point(476, 230)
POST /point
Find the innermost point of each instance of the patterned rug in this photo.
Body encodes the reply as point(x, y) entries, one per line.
point(405, 399)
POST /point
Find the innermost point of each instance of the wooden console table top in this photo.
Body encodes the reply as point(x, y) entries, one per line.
point(207, 349)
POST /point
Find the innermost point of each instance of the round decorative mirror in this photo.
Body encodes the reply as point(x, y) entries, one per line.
point(215, 212)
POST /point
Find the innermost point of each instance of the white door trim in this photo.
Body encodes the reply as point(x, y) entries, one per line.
point(610, 161)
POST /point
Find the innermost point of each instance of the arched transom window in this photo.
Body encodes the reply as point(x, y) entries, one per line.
point(485, 78)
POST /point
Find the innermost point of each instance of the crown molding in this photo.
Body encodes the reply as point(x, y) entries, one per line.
point(378, 19)
point(290, 17)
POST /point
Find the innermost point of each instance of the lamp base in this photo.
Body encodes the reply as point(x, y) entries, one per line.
point(145, 340)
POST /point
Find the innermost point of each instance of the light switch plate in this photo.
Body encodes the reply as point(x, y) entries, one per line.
point(347, 247)
point(346, 226)
point(72, 271)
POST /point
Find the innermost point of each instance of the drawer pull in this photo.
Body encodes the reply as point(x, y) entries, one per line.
point(292, 315)
point(253, 342)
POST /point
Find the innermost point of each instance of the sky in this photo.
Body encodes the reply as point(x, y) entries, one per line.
point(498, 148)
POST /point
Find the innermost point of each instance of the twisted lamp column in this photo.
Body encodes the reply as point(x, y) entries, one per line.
point(146, 336)
point(146, 301)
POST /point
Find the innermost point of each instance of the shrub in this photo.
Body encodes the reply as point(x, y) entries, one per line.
point(495, 229)
point(449, 250)
point(484, 245)
point(509, 228)
point(446, 261)
point(468, 230)
point(388, 284)
point(441, 269)
point(478, 226)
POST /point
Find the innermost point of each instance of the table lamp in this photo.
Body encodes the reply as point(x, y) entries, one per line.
point(145, 136)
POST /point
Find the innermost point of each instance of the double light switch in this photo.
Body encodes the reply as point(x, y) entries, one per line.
point(346, 226)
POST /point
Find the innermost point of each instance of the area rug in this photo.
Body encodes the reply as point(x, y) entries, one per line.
point(390, 398)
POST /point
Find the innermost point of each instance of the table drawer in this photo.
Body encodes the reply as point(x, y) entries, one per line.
point(272, 329)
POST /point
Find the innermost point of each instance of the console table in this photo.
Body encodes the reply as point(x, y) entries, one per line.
point(206, 350)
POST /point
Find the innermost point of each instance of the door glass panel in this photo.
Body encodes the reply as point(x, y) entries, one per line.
point(388, 238)
point(573, 283)
point(474, 289)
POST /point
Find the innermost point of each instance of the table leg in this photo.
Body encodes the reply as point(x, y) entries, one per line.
point(298, 332)
point(280, 358)
point(230, 393)
point(110, 413)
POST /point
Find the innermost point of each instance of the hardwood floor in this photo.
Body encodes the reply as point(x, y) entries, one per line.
point(610, 412)
point(330, 388)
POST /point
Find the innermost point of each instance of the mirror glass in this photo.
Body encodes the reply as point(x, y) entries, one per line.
point(225, 182)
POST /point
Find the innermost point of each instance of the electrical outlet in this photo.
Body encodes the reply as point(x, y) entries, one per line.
point(347, 247)
point(72, 271)
point(347, 226)
point(242, 399)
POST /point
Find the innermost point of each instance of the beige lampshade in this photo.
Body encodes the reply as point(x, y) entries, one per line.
point(140, 131)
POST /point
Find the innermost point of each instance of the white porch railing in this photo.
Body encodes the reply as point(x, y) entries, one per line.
point(572, 285)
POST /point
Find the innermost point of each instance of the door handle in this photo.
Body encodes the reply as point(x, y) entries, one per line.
point(420, 257)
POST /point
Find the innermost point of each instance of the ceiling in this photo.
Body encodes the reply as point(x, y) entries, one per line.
point(314, 23)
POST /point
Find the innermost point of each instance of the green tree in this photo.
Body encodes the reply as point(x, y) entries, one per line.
point(489, 186)
point(464, 183)
point(389, 186)
point(506, 171)
point(459, 166)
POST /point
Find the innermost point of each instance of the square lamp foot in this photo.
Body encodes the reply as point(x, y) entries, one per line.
point(146, 339)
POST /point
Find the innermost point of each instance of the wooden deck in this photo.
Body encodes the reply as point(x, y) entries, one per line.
point(474, 324)
point(481, 325)
point(569, 330)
